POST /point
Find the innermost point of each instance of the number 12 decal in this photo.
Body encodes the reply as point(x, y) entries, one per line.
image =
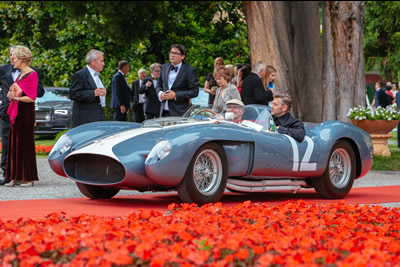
point(305, 165)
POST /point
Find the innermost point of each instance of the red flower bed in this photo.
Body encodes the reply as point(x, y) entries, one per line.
point(250, 234)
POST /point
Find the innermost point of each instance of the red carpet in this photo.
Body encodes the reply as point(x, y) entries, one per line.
point(123, 205)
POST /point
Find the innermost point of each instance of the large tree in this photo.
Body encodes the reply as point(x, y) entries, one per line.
point(288, 36)
point(343, 82)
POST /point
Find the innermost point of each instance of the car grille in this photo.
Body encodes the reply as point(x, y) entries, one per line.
point(42, 115)
point(94, 169)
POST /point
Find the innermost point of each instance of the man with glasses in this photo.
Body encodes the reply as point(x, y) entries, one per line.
point(177, 84)
point(151, 105)
point(234, 110)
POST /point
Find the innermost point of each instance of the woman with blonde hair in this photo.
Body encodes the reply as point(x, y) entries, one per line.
point(21, 163)
point(226, 90)
point(268, 80)
point(231, 69)
point(211, 85)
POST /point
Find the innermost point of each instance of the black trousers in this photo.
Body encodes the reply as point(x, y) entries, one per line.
point(118, 116)
point(5, 133)
point(149, 116)
point(139, 113)
point(165, 113)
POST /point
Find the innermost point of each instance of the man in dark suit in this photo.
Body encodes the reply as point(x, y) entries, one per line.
point(8, 74)
point(177, 84)
point(87, 91)
point(121, 93)
point(138, 99)
point(381, 98)
point(253, 91)
point(152, 104)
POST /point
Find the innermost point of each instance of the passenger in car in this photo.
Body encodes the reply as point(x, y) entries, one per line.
point(284, 121)
point(234, 110)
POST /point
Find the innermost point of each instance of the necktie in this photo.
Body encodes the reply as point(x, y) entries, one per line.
point(15, 69)
point(172, 68)
point(152, 78)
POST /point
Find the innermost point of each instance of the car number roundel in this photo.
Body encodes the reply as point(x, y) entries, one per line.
point(305, 164)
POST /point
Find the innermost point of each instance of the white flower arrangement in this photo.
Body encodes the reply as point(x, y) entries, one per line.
point(369, 113)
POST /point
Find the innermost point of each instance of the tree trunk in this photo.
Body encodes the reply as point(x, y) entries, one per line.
point(343, 79)
point(286, 35)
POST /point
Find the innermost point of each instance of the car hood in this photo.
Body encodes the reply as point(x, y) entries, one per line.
point(54, 105)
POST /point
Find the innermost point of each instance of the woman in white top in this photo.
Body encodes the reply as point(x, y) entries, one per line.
point(226, 90)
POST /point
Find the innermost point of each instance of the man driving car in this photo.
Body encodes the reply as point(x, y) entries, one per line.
point(284, 121)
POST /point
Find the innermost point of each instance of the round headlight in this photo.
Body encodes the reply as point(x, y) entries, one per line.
point(61, 146)
point(160, 151)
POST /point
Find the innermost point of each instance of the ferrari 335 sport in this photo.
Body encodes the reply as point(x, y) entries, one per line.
point(201, 159)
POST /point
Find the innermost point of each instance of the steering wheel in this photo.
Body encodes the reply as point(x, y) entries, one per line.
point(206, 111)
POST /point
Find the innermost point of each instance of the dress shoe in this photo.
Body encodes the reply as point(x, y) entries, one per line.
point(12, 183)
point(26, 184)
point(4, 180)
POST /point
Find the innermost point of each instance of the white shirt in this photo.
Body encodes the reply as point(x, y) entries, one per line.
point(171, 79)
point(99, 84)
point(142, 97)
point(15, 75)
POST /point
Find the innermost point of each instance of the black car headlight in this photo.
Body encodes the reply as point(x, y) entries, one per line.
point(160, 151)
point(63, 144)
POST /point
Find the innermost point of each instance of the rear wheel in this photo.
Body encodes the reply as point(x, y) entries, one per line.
point(338, 178)
point(97, 192)
point(206, 176)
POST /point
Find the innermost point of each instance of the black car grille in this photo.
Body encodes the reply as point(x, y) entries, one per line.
point(42, 115)
point(95, 169)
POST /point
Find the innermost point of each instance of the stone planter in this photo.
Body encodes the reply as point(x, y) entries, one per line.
point(379, 131)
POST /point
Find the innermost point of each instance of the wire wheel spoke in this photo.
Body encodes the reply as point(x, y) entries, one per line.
point(207, 172)
point(340, 167)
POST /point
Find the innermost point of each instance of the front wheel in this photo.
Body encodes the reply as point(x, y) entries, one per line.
point(206, 176)
point(97, 192)
point(338, 178)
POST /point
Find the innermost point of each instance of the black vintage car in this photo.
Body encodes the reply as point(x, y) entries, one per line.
point(53, 111)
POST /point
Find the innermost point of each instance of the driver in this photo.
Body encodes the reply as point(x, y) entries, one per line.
point(284, 121)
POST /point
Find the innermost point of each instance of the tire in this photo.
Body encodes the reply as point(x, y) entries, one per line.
point(206, 176)
point(97, 192)
point(338, 178)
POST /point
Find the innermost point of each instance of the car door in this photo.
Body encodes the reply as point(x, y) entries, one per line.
point(279, 155)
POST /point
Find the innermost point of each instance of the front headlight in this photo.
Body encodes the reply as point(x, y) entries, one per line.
point(61, 146)
point(160, 151)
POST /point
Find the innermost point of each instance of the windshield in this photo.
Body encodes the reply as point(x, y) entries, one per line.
point(255, 116)
point(54, 95)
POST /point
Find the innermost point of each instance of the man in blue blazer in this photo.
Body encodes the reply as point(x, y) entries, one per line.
point(178, 83)
point(121, 93)
point(87, 91)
